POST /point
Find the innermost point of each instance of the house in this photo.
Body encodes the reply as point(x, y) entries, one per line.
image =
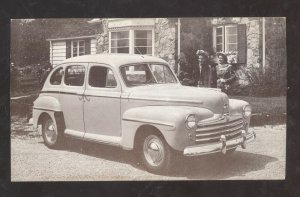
point(76, 38)
point(251, 42)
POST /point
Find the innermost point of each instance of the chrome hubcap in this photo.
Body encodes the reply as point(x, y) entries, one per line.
point(50, 132)
point(154, 150)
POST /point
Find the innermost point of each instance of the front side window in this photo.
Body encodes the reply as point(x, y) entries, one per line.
point(146, 74)
point(226, 38)
point(102, 77)
point(56, 76)
point(74, 75)
point(78, 48)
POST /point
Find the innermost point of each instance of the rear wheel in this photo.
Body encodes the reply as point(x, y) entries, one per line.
point(52, 137)
point(156, 153)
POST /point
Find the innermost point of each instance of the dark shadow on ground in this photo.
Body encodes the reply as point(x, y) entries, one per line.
point(216, 166)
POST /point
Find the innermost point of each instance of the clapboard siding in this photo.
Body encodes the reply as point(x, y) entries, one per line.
point(58, 52)
point(58, 43)
point(59, 47)
point(93, 46)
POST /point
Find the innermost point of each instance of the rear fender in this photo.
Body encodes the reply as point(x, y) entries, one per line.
point(45, 104)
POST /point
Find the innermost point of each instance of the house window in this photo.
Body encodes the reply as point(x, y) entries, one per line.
point(143, 42)
point(78, 48)
point(132, 42)
point(119, 42)
point(226, 38)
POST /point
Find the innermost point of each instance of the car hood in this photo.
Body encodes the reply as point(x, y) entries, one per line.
point(210, 98)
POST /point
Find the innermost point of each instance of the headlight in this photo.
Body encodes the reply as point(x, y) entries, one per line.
point(247, 111)
point(190, 121)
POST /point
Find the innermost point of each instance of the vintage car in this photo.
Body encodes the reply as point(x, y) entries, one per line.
point(137, 103)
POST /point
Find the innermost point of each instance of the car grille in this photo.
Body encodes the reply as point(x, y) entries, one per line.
point(210, 133)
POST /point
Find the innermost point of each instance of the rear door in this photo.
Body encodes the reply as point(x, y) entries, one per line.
point(72, 98)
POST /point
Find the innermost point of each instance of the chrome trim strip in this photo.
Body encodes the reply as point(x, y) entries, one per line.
point(148, 121)
point(216, 147)
point(39, 108)
point(166, 100)
point(73, 93)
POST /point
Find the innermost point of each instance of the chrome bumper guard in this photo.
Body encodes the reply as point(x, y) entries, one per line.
point(221, 146)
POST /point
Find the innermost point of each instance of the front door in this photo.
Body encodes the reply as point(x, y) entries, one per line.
point(72, 98)
point(102, 105)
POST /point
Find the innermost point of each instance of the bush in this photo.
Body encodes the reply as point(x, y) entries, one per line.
point(271, 82)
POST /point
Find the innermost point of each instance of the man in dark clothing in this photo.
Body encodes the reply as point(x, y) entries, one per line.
point(204, 73)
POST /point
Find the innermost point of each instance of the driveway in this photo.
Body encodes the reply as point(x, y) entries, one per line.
point(31, 160)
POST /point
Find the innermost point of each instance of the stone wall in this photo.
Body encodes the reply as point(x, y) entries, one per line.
point(102, 38)
point(165, 40)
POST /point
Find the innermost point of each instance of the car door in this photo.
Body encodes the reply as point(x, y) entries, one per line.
point(102, 105)
point(72, 98)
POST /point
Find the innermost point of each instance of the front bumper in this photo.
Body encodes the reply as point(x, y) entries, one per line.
point(221, 146)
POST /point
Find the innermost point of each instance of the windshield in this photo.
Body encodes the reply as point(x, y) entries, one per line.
point(146, 74)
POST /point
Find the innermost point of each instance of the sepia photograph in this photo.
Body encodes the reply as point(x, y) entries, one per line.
point(135, 99)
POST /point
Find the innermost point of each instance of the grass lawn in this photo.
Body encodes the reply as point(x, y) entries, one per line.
point(269, 105)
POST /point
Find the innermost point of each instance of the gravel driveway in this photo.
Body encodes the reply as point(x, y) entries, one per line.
point(31, 160)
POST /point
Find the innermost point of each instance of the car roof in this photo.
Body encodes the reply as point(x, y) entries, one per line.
point(115, 59)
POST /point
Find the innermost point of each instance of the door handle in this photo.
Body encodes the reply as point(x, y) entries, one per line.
point(80, 97)
point(87, 98)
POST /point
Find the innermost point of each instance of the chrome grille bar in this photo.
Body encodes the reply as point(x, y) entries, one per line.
point(240, 126)
point(218, 127)
point(218, 137)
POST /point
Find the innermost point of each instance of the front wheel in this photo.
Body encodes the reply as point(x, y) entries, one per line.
point(156, 153)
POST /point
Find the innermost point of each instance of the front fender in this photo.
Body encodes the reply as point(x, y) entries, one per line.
point(236, 106)
point(169, 120)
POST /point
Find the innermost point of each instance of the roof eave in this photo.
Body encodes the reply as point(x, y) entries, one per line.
point(70, 38)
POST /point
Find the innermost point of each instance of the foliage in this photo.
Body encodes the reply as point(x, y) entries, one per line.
point(270, 82)
point(28, 38)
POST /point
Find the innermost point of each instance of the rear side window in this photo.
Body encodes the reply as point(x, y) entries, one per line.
point(102, 77)
point(56, 77)
point(74, 75)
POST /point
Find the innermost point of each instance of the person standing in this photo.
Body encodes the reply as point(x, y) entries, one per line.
point(225, 73)
point(204, 73)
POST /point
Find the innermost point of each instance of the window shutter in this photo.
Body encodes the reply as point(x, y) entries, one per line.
point(68, 49)
point(242, 44)
point(87, 46)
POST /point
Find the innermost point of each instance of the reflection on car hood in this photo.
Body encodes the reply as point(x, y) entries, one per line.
point(206, 97)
